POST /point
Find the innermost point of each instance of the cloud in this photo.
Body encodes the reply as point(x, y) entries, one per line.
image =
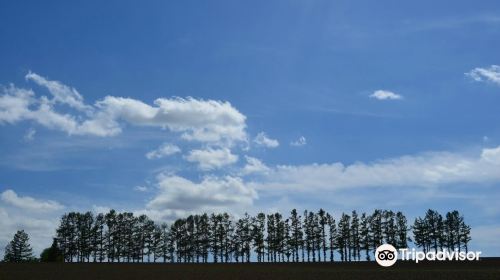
point(15, 103)
point(385, 95)
point(211, 159)
point(140, 188)
point(178, 196)
point(299, 142)
point(22, 105)
point(60, 92)
point(101, 209)
point(164, 150)
point(29, 203)
point(491, 74)
point(207, 121)
point(424, 170)
point(197, 120)
point(29, 135)
point(254, 166)
point(262, 140)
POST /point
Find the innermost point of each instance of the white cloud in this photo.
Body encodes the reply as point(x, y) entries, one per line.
point(178, 196)
point(21, 105)
point(15, 103)
point(254, 166)
point(299, 142)
point(29, 203)
point(210, 158)
point(101, 209)
point(491, 74)
point(425, 170)
point(207, 121)
point(197, 120)
point(60, 92)
point(385, 95)
point(262, 140)
point(140, 188)
point(29, 135)
point(164, 150)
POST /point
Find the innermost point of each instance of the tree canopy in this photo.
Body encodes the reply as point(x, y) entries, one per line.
point(219, 237)
point(19, 249)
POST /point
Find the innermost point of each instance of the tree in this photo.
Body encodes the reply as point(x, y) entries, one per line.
point(62, 234)
point(148, 228)
point(420, 234)
point(401, 231)
point(243, 238)
point(52, 254)
point(343, 237)
point(322, 225)
point(111, 235)
point(434, 224)
point(376, 229)
point(452, 230)
point(217, 236)
point(204, 236)
point(316, 236)
point(389, 227)
point(157, 243)
point(355, 243)
point(365, 233)
point(271, 232)
point(464, 235)
point(123, 237)
point(279, 237)
point(98, 237)
point(311, 233)
point(296, 235)
point(332, 235)
point(19, 249)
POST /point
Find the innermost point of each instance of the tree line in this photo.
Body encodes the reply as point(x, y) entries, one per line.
point(218, 237)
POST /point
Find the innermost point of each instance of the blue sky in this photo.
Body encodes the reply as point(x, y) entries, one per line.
point(174, 108)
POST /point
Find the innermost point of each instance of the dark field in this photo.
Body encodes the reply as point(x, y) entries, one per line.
point(483, 269)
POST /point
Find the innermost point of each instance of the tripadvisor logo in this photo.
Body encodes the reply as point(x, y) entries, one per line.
point(386, 255)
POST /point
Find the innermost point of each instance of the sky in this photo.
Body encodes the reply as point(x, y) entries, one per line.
point(171, 108)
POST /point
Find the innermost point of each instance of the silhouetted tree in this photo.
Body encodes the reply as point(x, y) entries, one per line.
point(401, 231)
point(332, 235)
point(343, 237)
point(123, 237)
point(52, 254)
point(434, 223)
point(464, 234)
point(365, 235)
point(452, 230)
point(19, 249)
point(355, 243)
point(296, 237)
point(322, 228)
point(258, 232)
point(376, 229)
